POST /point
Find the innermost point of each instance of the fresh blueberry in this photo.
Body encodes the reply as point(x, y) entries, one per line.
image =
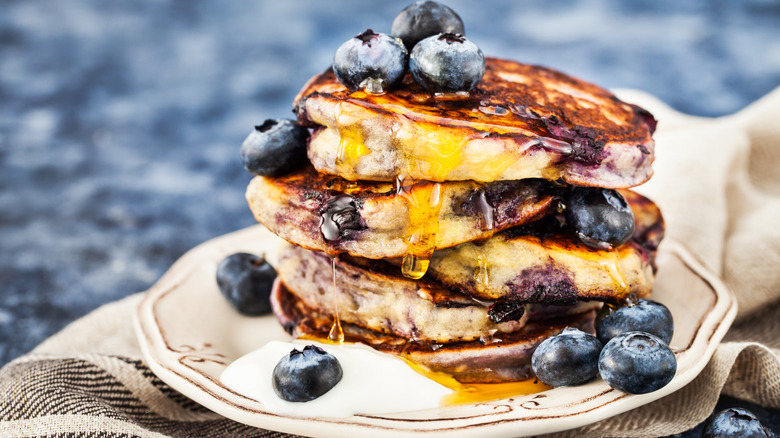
point(600, 217)
point(644, 316)
point(734, 422)
point(302, 376)
point(425, 18)
point(447, 63)
point(246, 280)
point(637, 363)
point(371, 61)
point(568, 359)
point(274, 148)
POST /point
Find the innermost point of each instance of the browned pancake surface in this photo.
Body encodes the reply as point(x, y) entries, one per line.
point(536, 122)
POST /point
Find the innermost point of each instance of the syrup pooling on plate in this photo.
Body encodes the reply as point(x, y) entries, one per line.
point(466, 393)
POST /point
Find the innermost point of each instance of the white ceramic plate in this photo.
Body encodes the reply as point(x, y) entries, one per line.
point(189, 334)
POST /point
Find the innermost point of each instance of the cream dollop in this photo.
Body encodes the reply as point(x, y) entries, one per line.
point(373, 382)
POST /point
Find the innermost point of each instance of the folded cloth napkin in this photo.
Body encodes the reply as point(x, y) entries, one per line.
point(718, 185)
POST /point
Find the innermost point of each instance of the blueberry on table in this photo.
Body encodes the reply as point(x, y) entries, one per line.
point(568, 359)
point(600, 217)
point(637, 363)
point(644, 316)
point(245, 280)
point(275, 147)
point(302, 376)
point(374, 62)
point(425, 18)
point(447, 63)
point(734, 422)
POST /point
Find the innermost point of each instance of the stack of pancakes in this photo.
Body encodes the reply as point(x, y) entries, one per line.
point(431, 226)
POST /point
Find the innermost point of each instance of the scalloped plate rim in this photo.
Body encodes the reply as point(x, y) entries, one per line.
point(208, 391)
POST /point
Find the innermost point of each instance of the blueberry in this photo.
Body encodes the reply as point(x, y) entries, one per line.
point(600, 217)
point(245, 280)
point(305, 375)
point(568, 359)
point(447, 63)
point(423, 19)
point(644, 316)
point(637, 363)
point(274, 148)
point(734, 422)
point(371, 61)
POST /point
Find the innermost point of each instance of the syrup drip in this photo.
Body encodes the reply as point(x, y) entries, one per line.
point(351, 145)
point(487, 225)
point(609, 261)
point(336, 334)
point(616, 273)
point(424, 201)
point(482, 273)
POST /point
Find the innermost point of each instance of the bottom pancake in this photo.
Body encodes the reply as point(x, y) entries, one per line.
point(491, 359)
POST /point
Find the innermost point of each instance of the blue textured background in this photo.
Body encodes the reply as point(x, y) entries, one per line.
point(120, 122)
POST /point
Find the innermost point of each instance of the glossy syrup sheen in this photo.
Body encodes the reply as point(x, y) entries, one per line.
point(336, 333)
point(527, 106)
point(424, 206)
point(487, 224)
point(428, 152)
point(433, 158)
point(465, 393)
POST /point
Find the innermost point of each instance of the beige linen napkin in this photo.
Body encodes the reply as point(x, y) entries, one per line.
point(717, 182)
point(718, 185)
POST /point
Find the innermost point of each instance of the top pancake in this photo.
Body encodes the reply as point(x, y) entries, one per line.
point(521, 121)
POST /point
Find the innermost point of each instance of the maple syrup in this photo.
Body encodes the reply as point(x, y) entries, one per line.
point(424, 204)
point(465, 393)
point(487, 226)
point(336, 333)
point(351, 145)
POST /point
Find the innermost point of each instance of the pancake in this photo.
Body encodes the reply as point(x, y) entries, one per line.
point(374, 295)
point(521, 121)
point(545, 263)
point(493, 359)
point(370, 219)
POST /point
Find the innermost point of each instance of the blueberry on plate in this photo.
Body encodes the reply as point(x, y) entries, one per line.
point(637, 363)
point(245, 280)
point(600, 217)
point(447, 63)
point(374, 62)
point(425, 18)
point(274, 148)
point(644, 316)
point(734, 422)
point(302, 376)
point(568, 359)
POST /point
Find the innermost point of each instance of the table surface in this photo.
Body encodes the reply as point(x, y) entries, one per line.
point(120, 122)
